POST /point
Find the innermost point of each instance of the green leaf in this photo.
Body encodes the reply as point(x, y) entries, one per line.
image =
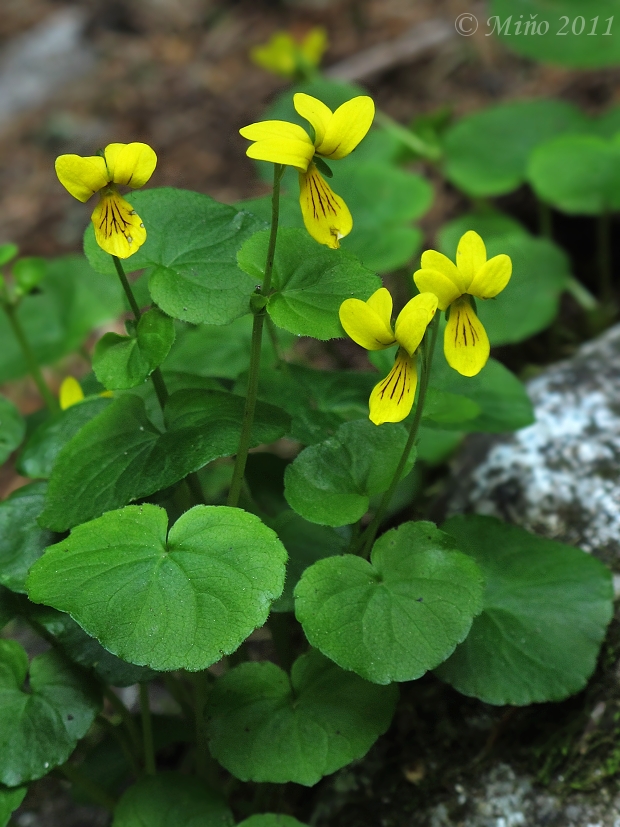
point(448, 409)
point(331, 483)
point(486, 153)
point(7, 252)
point(177, 603)
point(120, 456)
point(305, 543)
point(190, 253)
point(488, 223)
point(7, 606)
point(546, 607)
point(39, 454)
point(436, 446)
point(41, 725)
point(530, 302)
point(126, 361)
point(397, 616)
point(21, 540)
point(271, 820)
point(28, 273)
point(584, 46)
point(577, 174)
point(264, 726)
point(171, 800)
point(310, 282)
point(70, 302)
point(85, 650)
point(12, 428)
point(11, 799)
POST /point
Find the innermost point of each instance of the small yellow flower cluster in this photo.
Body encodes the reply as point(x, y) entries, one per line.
point(285, 56)
point(444, 286)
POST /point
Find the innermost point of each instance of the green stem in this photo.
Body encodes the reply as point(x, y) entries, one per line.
point(407, 137)
point(581, 294)
point(31, 360)
point(280, 628)
point(369, 535)
point(201, 690)
point(147, 730)
point(90, 787)
point(545, 220)
point(127, 718)
point(255, 353)
point(117, 733)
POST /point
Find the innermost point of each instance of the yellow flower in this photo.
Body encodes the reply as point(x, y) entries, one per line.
point(70, 393)
point(285, 56)
point(336, 134)
point(118, 229)
point(466, 343)
point(369, 324)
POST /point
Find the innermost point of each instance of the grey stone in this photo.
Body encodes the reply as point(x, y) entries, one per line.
point(560, 477)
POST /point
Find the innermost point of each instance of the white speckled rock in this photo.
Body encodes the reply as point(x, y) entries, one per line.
point(560, 477)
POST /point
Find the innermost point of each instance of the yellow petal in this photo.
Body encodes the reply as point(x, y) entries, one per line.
point(346, 128)
point(365, 325)
point(130, 164)
point(432, 260)
point(313, 45)
point(70, 393)
point(392, 399)
point(279, 142)
point(492, 277)
point(381, 303)
point(413, 320)
point(118, 229)
point(82, 177)
point(471, 254)
point(277, 55)
point(465, 342)
point(326, 216)
point(314, 111)
point(432, 281)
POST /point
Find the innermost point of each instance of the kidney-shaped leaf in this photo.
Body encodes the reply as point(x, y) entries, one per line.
point(171, 800)
point(177, 602)
point(397, 616)
point(265, 726)
point(41, 725)
point(545, 610)
point(331, 483)
point(190, 252)
point(310, 282)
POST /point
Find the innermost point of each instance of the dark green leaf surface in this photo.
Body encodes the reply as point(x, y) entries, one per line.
point(546, 607)
point(12, 428)
point(126, 361)
point(563, 44)
point(397, 616)
point(181, 602)
point(38, 456)
point(305, 543)
point(40, 726)
point(70, 302)
point(120, 456)
point(309, 281)
point(21, 540)
point(190, 253)
point(331, 483)
point(271, 820)
point(10, 799)
point(171, 800)
point(264, 726)
point(577, 174)
point(486, 153)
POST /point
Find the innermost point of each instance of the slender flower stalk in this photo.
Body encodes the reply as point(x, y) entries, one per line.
point(255, 353)
point(428, 347)
point(147, 730)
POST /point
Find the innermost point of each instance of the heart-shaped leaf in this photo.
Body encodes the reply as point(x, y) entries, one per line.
point(331, 483)
point(40, 726)
point(177, 602)
point(190, 253)
point(126, 361)
point(309, 282)
point(397, 616)
point(120, 456)
point(21, 540)
point(265, 726)
point(171, 800)
point(546, 607)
